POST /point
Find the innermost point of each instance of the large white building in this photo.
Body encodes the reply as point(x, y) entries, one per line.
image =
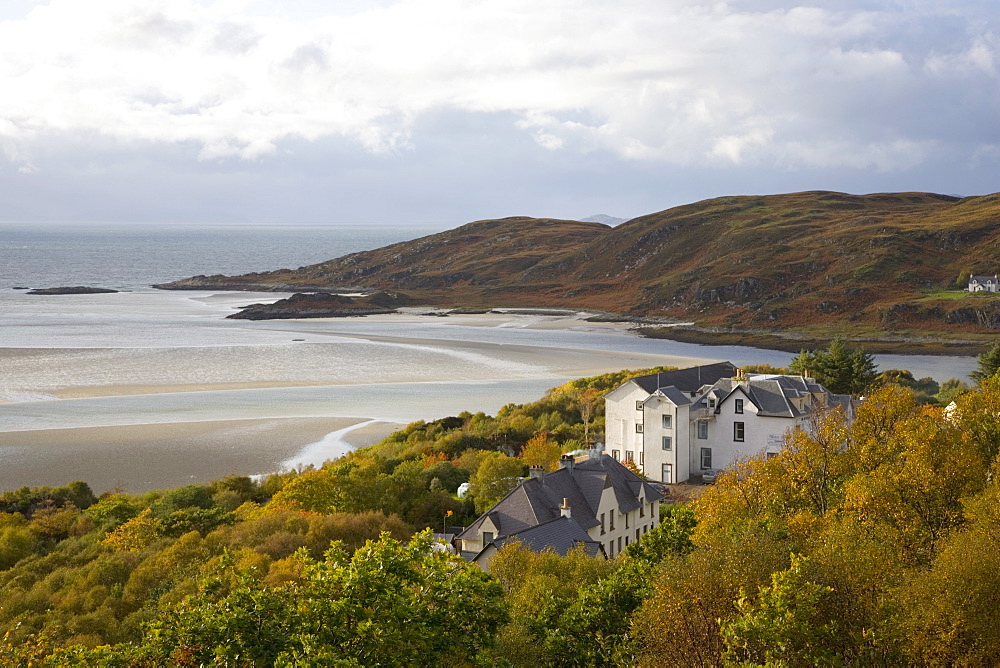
point(676, 424)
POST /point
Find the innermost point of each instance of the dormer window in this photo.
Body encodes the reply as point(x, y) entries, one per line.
point(739, 406)
point(711, 402)
point(667, 421)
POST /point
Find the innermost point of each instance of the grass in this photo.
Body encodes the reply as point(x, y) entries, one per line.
point(958, 294)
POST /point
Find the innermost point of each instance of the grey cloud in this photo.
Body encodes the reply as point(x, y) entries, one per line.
point(235, 38)
point(307, 56)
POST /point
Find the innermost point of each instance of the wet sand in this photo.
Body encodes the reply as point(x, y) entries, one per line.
point(176, 451)
point(137, 458)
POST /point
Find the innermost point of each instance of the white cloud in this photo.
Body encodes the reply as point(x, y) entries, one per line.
point(681, 82)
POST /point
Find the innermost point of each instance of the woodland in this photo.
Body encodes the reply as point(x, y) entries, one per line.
point(870, 542)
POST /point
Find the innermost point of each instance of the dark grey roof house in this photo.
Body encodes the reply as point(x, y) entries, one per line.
point(594, 501)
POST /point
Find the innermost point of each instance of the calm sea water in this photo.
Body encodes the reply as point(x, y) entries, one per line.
point(133, 256)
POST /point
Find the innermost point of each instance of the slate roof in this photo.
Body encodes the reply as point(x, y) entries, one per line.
point(676, 397)
point(536, 501)
point(560, 535)
point(772, 395)
point(686, 380)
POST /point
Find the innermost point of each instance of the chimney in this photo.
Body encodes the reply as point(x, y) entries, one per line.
point(566, 462)
point(564, 510)
point(535, 471)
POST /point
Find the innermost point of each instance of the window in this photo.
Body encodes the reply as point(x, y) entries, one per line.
point(667, 421)
point(487, 538)
point(739, 406)
point(642, 458)
point(668, 443)
point(638, 428)
point(616, 455)
point(619, 544)
point(711, 402)
point(626, 520)
point(706, 458)
point(611, 518)
point(737, 431)
point(628, 456)
point(668, 474)
point(602, 524)
point(637, 533)
point(638, 405)
point(702, 428)
point(772, 454)
point(642, 508)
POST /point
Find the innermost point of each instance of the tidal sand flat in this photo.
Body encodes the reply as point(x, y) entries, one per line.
point(149, 389)
point(141, 457)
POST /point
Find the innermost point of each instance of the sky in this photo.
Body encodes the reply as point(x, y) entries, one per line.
point(447, 111)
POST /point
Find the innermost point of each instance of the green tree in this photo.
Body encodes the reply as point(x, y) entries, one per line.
point(783, 626)
point(390, 604)
point(839, 369)
point(497, 475)
point(988, 363)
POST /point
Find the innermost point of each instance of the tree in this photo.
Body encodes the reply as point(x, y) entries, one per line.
point(390, 604)
point(782, 626)
point(586, 402)
point(136, 534)
point(496, 476)
point(840, 370)
point(988, 363)
point(541, 451)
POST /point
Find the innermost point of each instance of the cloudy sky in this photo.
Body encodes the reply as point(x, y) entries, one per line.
point(445, 111)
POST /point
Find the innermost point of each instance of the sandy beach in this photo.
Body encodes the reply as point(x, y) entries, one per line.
point(150, 390)
point(137, 458)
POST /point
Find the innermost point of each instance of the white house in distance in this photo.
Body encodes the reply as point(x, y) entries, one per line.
point(593, 501)
point(677, 424)
point(983, 283)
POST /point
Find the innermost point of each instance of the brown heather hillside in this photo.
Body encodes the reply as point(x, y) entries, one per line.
point(850, 263)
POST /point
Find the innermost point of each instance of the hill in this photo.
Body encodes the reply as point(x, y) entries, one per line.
point(857, 264)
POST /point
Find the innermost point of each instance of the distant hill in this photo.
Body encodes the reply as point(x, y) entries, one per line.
point(861, 263)
point(604, 219)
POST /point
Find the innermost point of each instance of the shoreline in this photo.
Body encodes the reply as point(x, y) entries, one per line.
point(143, 457)
point(794, 342)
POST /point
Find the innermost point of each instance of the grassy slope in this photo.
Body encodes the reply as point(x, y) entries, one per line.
point(812, 260)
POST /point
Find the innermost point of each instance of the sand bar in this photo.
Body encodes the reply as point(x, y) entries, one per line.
point(137, 458)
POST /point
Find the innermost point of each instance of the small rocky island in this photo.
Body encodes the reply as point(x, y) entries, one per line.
point(75, 290)
point(324, 305)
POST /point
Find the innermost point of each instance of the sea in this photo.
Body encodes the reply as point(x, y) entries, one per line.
point(362, 368)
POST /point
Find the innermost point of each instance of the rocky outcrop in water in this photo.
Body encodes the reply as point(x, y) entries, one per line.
point(323, 305)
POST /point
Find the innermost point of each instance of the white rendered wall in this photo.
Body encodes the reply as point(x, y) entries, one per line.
point(760, 434)
point(620, 419)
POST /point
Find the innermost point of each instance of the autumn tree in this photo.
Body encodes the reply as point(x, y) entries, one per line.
point(540, 450)
point(781, 625)
point(390, 603)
